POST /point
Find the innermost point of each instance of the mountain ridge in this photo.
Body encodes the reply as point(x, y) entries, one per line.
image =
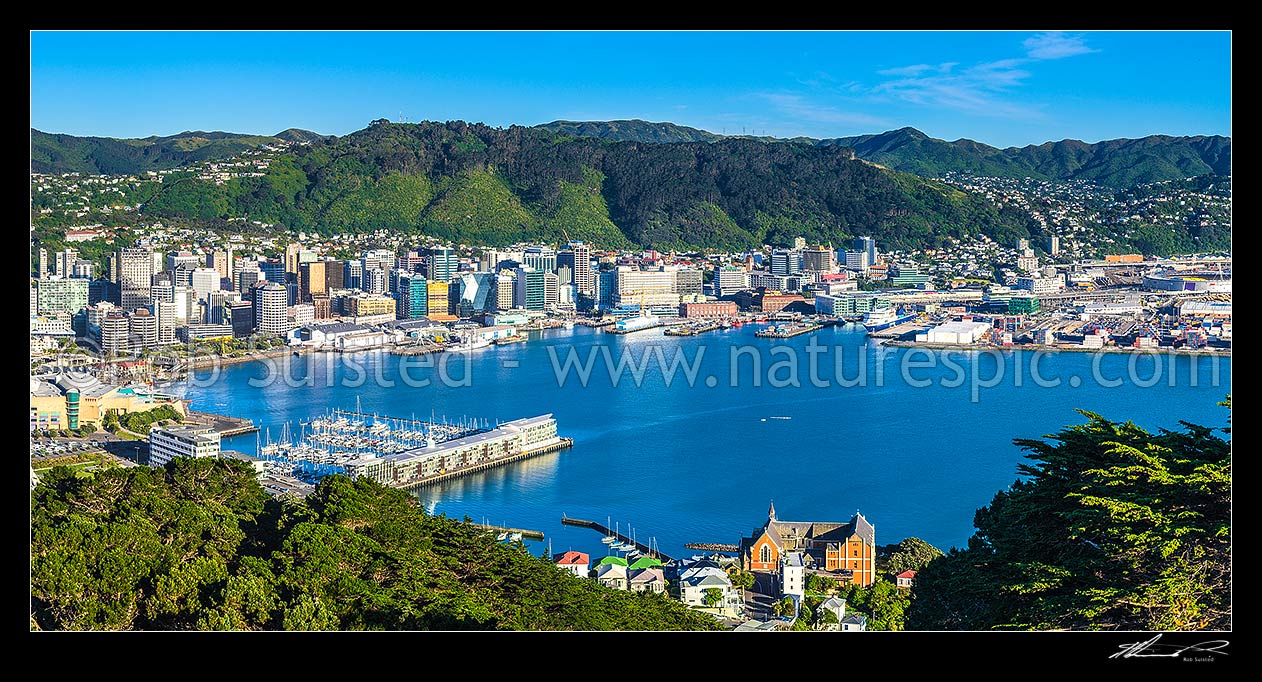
point(62, 152)
point(1120, 162)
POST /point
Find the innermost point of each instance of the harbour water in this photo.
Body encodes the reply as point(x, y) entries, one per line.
point(699, 461)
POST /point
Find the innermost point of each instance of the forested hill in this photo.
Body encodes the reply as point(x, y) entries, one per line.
point(59, 153)
point(1114, 163)
point(481, 185)
point(198, 545)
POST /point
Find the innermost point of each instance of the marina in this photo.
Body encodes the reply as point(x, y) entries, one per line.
point(620, 542)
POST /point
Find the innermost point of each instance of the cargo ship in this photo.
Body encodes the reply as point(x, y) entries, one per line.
point(884, 318)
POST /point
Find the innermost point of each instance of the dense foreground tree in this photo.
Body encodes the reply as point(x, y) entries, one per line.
point(1112, 527)
point(199, 545)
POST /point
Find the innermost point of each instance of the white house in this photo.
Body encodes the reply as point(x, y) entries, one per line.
point(792, 575)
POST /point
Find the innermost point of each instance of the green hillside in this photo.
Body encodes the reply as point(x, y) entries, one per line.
point(477, 184)
point(199, 546)
point(57, 153)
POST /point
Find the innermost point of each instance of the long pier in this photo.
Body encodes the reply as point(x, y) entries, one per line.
point(525, 533)
point(600, 528)
point(789, 332)
point(563, 444)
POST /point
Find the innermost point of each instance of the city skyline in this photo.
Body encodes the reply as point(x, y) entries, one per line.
point(1009, 88)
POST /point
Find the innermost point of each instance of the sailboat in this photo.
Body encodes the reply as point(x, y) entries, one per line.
point(608, 539)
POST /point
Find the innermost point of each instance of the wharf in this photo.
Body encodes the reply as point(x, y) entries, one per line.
point(685, 330)
point(615, 330)
point(415, 349)
point(518, 338)
point(562, 444)
point(789, 332)
point(225, 425)
point(900, 330)
point(588, 322)
point(600, 528)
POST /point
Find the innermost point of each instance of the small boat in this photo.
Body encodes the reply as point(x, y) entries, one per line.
point(781, 417)
point(608, 539)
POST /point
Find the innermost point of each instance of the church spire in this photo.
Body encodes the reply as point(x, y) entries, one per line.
point(771, 513)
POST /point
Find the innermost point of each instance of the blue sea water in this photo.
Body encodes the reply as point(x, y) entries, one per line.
point(917, 448)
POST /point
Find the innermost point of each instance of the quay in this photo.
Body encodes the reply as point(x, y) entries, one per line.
point(447, 475)
point(589, 322)
point(615, 330)
point(503, 341)
point(788, 331)
point(415, 349)
point(690, 330)
point(225, 425)
point(600, 528)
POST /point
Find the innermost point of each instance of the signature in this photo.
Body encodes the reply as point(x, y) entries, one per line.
point(1152, 649)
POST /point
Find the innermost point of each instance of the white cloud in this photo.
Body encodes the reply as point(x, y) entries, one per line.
point(798, 107)
point(975, 89)
point(1055, 45)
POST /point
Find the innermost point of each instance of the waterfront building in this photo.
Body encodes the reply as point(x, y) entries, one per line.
point(606, 288)
point(477, 294)
point(551, 291)
point(819, 259)
point(730, 279)
point(846, 548)
point(442, 264)
point(312, 280)
point(786, 262)
point(240, 315)
point(1023, 305)
point(412, 466)
point(903, 275)
point(353, 274)
point(71, 399)
point(270, 308)
point(374, 281)
point(135, 274)
point(655, 288)
point(113, 331)
point(708, 309)
point(584, 277)
point(60, 296)
point(204, 281)
point(1039, 286)
point(529, 293)
point(437, 301)
point(504, 289)
point(142, 329)
point(543, 258)
point(412, 297)
point(958, 332)
point(849, 303)
point(167, 443)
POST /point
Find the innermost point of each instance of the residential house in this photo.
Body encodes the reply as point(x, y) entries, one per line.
point(703, 575)
point(647, 580)
point(848, 549)
point(793, 575)
point(574, 562)
point(905, 579)
point(612, 572)
point(854, 623)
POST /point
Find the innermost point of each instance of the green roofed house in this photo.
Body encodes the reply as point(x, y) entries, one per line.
point(644, 562)
point(611, 559)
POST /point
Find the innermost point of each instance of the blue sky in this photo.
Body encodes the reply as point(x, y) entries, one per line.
point(1002, 88)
